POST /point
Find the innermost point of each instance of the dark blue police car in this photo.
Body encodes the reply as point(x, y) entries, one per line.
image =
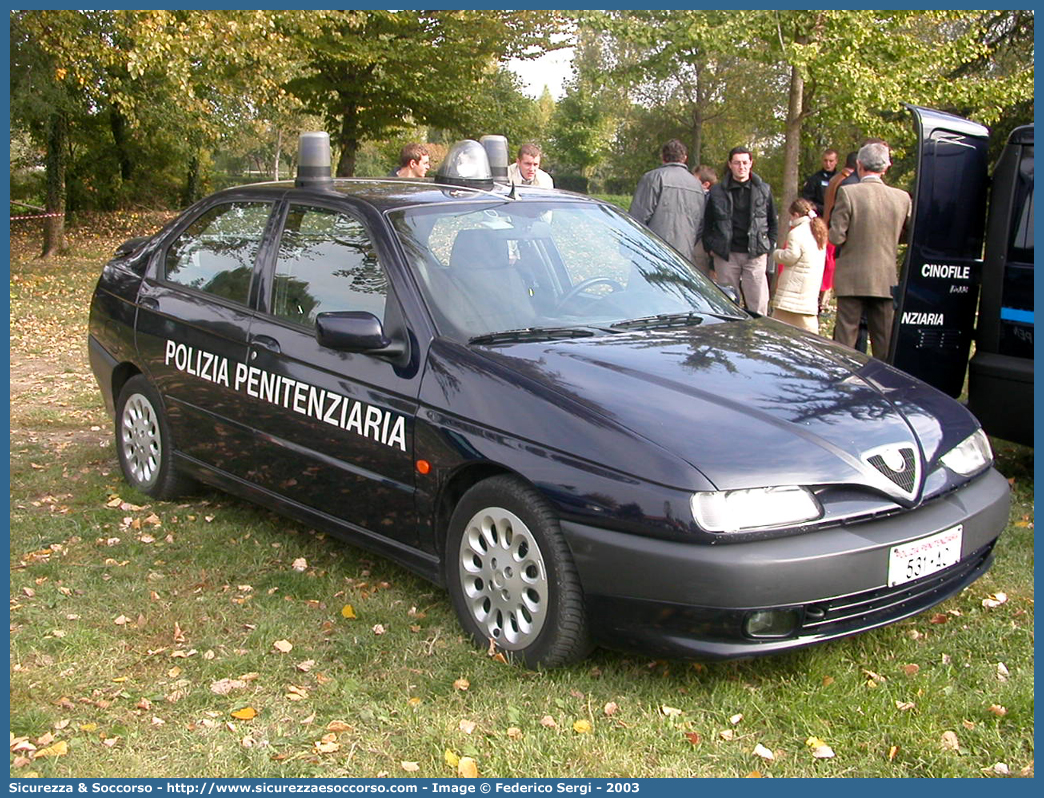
point(526, 397)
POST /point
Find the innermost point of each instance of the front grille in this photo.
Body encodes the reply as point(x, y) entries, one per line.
point(885, 604)
point(906, 477)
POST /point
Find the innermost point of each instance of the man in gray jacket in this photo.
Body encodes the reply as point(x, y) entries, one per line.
point(669, 200)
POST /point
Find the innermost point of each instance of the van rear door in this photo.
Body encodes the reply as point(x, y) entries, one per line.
point(939, 286)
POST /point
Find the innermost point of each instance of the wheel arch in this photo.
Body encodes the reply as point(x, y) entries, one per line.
point(459, 483)
point(120, 376)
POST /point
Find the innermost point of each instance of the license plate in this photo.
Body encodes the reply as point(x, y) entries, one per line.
point(925, 556)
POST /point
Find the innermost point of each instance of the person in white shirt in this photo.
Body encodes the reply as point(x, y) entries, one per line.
point(526, 171)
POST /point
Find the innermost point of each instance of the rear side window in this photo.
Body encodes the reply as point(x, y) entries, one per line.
point(216, 253)
point(326, 262)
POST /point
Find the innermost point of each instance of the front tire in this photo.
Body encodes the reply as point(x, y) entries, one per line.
point(511, 575)
point(144, 444)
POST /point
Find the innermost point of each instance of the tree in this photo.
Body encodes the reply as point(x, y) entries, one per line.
point(370, 74)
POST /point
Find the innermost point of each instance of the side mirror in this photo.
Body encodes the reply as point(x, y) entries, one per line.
point(355, 331)
point(128, 246)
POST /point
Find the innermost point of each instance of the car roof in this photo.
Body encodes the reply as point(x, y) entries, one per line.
point(386, 194)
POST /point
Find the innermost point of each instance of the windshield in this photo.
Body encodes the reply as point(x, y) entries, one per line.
point(503, 266)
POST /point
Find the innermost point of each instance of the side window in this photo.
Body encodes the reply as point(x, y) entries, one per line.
point(216, 253)
point(326, 262)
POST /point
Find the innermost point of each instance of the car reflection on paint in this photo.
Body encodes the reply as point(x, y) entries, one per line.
point(526, 397)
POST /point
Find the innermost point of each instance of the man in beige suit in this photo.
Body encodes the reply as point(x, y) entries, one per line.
point(868, 221)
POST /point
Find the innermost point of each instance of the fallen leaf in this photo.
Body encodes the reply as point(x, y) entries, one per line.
point(60, 748)
point(121, 620)
point(414, 701)
point(969, 725)
point(338, 726)
point(892, 752)
point(305, 666)
point(938, 618)
point(158, 721)
point(828, 680)
point(902, 706)
point(754, 774)
point(610, 709)
point(467, 726)
point(462, 684)
point(823, 752)
point(498, 657)
point(994, 600)
point(514, 733)
point(998, 710)
point(763, 752)
point(999, 769)
point(693, 737)
point(735, 719)
point(285, 646)
point(814, 742)
point(950, 741)
point(582, 727)
point(179, 636)
point(467, 768)
point(1002, 672)
point(451, 758)
point(911, 669)
point(727, 734)
point(410, 767)
point(226, 686)
point(327, 745)
point(379, 629)
point(246, 713)
point(300, 564)
point(347, 611)
point(670, 712)
point(174, 672)
point(548, 722)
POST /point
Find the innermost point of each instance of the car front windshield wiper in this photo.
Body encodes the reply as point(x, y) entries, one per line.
point(534, 334)
point(685, 319)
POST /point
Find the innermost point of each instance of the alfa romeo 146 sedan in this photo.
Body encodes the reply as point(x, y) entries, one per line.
point(528, 398)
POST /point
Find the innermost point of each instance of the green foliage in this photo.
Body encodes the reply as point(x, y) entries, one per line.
point(371, 74)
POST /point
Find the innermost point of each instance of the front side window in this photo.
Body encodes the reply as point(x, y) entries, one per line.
point(216, 253)
point(326, 262)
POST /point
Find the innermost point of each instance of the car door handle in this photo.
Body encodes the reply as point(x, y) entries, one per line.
point(266, 342)
point(149, 302)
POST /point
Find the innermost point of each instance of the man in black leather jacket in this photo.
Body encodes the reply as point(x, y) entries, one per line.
point(740, 228)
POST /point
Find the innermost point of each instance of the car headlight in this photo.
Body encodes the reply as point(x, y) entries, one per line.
point(738, 510)
point(970, 455)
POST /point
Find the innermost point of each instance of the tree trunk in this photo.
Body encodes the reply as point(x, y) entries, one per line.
point(792, 146)
point(191, 192)
point(349, 144)
point(54, 225)
point(278, 148)
point(697, 138)
point(118, 125)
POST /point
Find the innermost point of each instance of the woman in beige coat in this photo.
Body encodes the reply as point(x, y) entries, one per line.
point(797, 294)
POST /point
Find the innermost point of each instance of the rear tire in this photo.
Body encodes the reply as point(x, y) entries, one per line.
point(512, 578)
point(144, 444)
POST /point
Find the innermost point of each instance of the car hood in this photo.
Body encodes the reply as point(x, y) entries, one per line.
point(749, 403)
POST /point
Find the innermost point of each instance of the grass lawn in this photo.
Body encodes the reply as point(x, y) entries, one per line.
point(211, 638)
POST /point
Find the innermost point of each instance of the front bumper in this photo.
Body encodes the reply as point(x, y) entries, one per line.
point(678, 599)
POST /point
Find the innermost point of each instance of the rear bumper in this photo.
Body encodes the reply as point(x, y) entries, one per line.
point(690, 600)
